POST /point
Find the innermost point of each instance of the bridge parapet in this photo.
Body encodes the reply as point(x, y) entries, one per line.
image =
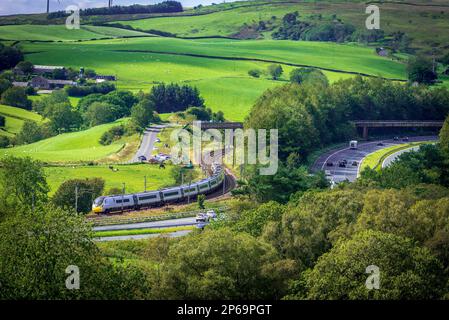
point(365, 124)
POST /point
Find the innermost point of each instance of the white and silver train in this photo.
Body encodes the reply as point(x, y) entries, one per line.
point(136, 201)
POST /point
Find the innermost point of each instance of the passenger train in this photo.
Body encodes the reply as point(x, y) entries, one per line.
point(136, 201)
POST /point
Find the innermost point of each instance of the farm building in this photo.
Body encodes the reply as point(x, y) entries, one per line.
point(38, 69)
point(45, 84)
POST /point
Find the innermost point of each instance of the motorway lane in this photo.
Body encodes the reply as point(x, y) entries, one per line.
point(147, 143)
point(149, 225)
point(350, 172)
point(390, 159)
point(144, 236)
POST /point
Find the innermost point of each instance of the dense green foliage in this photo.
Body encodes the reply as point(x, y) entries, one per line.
point(309, 75)
point(16, 97)
point(78, 194)
point(23, 181)
point(163, 7)
point(9, 57)
point(294, 29)
point(112, 135)
point(311, 116)
point(173, 97)
point(82, 91)
point(421, 69)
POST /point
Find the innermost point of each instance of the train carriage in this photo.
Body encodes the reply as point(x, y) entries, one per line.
point(107, 204)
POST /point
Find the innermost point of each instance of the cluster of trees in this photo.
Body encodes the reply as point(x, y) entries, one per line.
point(16, 97)
point(309, 117)
point(421, 69)
point(173, 97)
point(309, 75)
point(113, 134)
point(274, 71)
point(163, 7)
point(294, 29)
point(9, 57)
point(85, 90)
point(205, 114)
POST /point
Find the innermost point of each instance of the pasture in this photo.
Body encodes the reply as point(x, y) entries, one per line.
point(427, 25)
point(15, 117)
point(70, 147)
point(218, 67)
point(131, 175)
point(61, 33)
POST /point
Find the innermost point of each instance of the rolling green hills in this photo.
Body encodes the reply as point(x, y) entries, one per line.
point(70, 147)
point(15, 117)
point(61, 33)
point(132, 175)
point(219, 67)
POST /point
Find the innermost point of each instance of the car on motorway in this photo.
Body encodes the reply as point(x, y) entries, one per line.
point(202, 217)
point(142, 158)
point(342, 164)
point(329, 164)
point(328, 173)
point(396, 138)
point(355, 163)
point(380, 144)
point(405, 139)
point(211, 214)
point(201, 225)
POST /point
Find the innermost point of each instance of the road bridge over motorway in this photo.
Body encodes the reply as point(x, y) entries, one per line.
point(365, 124)
point(218, 125)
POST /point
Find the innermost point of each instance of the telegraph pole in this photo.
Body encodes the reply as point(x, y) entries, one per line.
point(76, 198)
point(224, 182)
point(48, 6)
point(145, 183)
point(123, 195)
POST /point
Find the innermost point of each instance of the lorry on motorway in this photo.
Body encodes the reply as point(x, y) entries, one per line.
point(353, 145)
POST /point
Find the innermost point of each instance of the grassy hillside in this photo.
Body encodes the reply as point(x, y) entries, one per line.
point(426, 22)
point(132, 175)
point(70, 147)
point(61, 33)
point(220, 23)
point(209, 64)
point(15, 117)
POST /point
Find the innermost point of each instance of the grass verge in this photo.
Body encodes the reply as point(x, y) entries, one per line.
point(117, 233)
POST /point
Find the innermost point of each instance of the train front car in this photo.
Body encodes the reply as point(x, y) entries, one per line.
point(97, 206)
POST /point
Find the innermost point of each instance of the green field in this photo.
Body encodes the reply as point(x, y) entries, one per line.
point(61, 33)
point(132, 175)
point(220, 23)
point(426, 25)
point(70, 147)
point(223, 82)
point(15, 117)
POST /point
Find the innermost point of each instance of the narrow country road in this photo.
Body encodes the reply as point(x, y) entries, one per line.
point(147, 144)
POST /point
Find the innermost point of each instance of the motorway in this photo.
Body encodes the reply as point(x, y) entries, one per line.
point(149, 225)
point(144, 236)
point(350, 172)
point(391, 158)
point(147, 144)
